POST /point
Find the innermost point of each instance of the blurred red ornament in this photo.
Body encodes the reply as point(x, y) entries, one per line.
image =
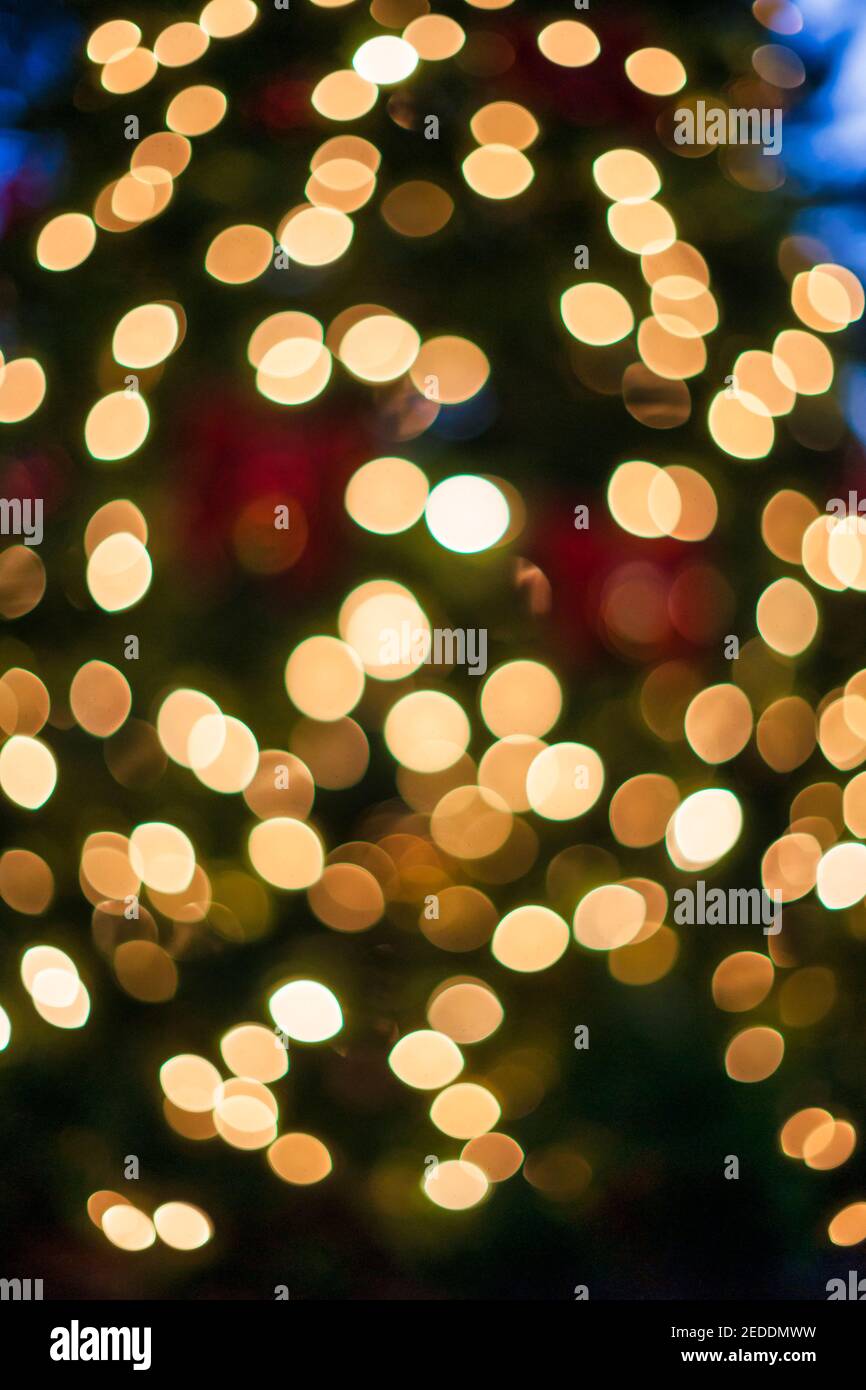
point(242, 460)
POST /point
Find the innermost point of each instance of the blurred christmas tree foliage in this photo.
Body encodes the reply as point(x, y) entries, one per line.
point(646, 1211)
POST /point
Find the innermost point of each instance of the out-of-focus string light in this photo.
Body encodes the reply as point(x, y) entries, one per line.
point(112, 40)
point(706, 826)
point(306, 1011)
point(435, 37)
point(324, 677)
point(225, 19)
point(196, 110)
point(300, 1159)
point(387, 495)
point(596, 314)
point(119, 572)
point(286, 852)
point(179, 44)
point(22, 389)
point(656, 71)
point(529, 939)
point(129, 72)
point(466, 514)
point(498, 171)
point(239, 254)
point(65, 241)
point(145, 335)
point(344, 95)
point(182, 1226)
point(385, 60)
point(426, 1060)
point(569, 43)
point(28, 771)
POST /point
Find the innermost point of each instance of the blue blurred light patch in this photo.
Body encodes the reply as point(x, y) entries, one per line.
point(37, 47)
point(842, 229)
point(855, 401)
point(467, 420)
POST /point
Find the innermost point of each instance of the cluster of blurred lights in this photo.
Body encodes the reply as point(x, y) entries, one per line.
point(815, 1138)
point(118, 424)
point(51, 979)
point(242, 1109)
point(180, 1225)
point(472, 823)
point(652, 502)
point(127, 65)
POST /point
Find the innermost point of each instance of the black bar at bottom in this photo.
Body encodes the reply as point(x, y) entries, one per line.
point(271, 1339)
